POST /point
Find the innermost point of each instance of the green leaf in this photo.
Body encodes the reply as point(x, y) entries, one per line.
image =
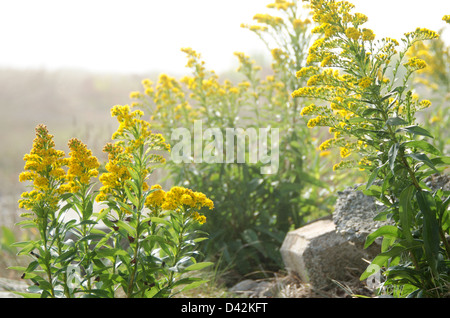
point(416, 130)
point(27, 247)
point(31, 267)
point(198, 266)
point(123, 225)
point(422, 144)
point(66, 256)
point(28, 295)
point(396, 121)
point(369, 111)
point(430, 233)
point(92, 237)
point(102, 214)
point(373, 177)
point(194, 285)
point(441, 161)
point(387, 230)
point(131, 197)
point(159, 220)
point(422, 158)
point(406, 211)
point(104, 240)
point(111, 252)
point(382, 259)
point(392, 155)
point(444, 215)
point(26, 224)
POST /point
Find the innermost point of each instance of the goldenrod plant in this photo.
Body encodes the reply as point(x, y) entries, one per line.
point(369, 104)
point(152, 236)
point(435, 79)
point(257, 201)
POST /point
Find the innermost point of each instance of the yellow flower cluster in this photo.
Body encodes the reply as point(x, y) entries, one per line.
point(415, 64)
point(136, 131)
point(446, 18)
point(368, 35)
point(352, 33)
point(318, 121)
point(179, 198)
point(365, 82)
point(268, 19)
point(44, 167)
point(344, 164)
point(281, 5)
point(421, 34)
point(114, 180)
point(82, 165)
point(156, 198)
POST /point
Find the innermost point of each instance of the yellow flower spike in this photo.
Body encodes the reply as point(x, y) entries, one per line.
point(156, 198)
point(345, 152)
point(368, 35)
point(352, 33)
point(135, 95)
point(308, 110)
point(365, 82)
point(43, 168)
point(415, 64)
point(82, 165)
point(343, 165)
point(425, 103)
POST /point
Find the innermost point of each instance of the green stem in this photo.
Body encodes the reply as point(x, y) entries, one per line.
point(47, 258)
point(178, 250)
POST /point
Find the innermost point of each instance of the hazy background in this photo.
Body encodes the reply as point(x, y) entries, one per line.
point(66, 63)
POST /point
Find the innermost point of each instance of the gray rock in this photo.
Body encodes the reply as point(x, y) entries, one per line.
point(318, 254)
point(354, 215)
point(254, 289)
point(9, 286)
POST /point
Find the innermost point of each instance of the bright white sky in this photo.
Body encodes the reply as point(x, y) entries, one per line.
point(146, 35)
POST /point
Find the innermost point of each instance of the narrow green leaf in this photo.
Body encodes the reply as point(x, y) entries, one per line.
point(441, 161)
point(422, 158)
point(131, 197)
point(193, 285)
point(382, 259)
point(123, 225)
point(416, 130)
point(387, 230)
point(198, 266)
point(26, 224)
point(422, 144)
point(373, 177)
point(111, 252)
point(406, 211)
point(67, 256)
point(392, 155)
point(159, 220)
point(430, 233)
point(28, 295)
point(444, 215)
point(104, 240)
point(27, 247)
point(396, 121)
